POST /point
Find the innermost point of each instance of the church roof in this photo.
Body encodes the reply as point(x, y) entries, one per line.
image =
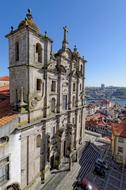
point(4, 90)
point(6, 113)
point(28, 21)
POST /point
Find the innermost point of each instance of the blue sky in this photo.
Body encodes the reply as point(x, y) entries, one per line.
point(97, 27)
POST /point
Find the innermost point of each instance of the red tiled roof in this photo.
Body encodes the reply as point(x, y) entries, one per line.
point(4, 90)
point(101, 124)
point(6, 114)
point(95, 117)
point(119, 129)
point(4, 78)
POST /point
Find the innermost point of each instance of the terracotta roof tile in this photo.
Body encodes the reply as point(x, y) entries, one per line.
point(119, 129)
point(4, 78)
point(6, 114)
point(4, 90)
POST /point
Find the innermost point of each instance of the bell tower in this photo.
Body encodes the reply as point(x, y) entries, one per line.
point(29, 52)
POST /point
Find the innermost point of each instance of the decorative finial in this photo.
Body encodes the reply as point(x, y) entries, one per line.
point(22, 104)
point(12, 28)
point(65, 42)
point(75, 48)
point(29, 14)
point(45, 33)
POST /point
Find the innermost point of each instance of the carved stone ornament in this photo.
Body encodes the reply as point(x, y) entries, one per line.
point(38, 98)
point(33, 103)
point(60, 68)
point(52, 66)
point(65, 84)
point(34, 100)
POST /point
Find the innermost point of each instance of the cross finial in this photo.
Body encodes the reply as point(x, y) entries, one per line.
point(65, 28)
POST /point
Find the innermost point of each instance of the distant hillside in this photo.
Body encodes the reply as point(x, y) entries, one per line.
point(120, 93)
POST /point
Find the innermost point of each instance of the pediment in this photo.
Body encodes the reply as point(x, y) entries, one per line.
point(67, 54)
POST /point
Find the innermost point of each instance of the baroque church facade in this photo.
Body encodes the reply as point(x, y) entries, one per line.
point(47, 94)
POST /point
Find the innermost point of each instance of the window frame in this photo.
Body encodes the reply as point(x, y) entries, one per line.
point(38, 141)
point(120, 139)
point(65, 102)
point(120, 149)
point(38, 84)
point(38, 50)
point(74, 86)
point(5, 166)
point(73, 101)
point(53, 105)
point(53, 86)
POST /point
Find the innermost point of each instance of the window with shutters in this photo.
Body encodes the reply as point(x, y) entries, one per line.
point(4, 170)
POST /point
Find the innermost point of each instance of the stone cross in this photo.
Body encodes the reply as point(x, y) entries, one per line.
point(65, 42)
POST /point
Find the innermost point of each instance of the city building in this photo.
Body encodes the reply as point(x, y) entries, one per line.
point(4, 81)
point(102, 87)
point(119, 142)
point(98, 123)
point(42, 121)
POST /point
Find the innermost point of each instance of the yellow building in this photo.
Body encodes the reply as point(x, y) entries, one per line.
point(119, 142)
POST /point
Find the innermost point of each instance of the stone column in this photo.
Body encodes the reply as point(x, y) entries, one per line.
point(59, 87)
point(63, 139)
point(83, 114)
point(42, 155)
point(73, 147)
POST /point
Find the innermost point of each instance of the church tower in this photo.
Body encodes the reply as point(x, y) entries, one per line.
point(29, 53)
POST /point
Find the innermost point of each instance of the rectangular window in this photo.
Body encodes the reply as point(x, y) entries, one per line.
point(64, 102)
point(73, 87)
point(73, 120)
point(53, 86)
point(120, 149)
point(4, 170)
point(38, 86)
point(17, 51)
point(120, 139)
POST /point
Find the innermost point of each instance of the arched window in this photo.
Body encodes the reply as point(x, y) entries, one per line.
point(39, 52)
point(53, 104)
point(73, 101)
point(17, 51)
point(38, 141)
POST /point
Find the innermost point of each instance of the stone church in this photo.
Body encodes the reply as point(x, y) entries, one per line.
point(47, 97)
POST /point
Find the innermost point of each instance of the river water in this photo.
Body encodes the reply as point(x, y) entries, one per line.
point(122, 102)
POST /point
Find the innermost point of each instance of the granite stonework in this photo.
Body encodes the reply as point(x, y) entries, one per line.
point(47, 90)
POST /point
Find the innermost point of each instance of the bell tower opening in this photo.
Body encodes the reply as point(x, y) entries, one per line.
point(39, 52)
